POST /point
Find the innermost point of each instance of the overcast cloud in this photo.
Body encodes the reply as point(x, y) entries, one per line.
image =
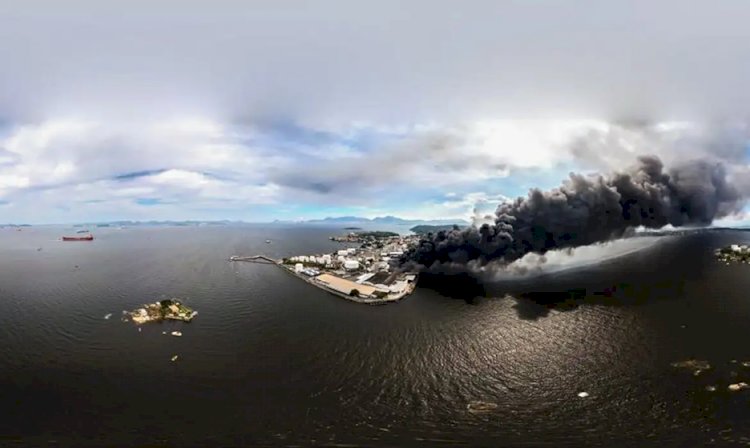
point(263, 110)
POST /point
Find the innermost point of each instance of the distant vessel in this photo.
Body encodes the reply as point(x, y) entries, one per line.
point(82, 231)
point(78, 238)
point(268, 241)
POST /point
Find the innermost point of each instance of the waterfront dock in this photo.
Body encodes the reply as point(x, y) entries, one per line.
point(254, 259)
point(334, 284)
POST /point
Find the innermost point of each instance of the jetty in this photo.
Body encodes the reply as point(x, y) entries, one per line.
point(254, 259)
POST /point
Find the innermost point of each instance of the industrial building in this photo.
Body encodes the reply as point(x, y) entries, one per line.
point(345, 286)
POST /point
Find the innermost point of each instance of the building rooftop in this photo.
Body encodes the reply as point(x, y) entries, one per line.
point(345, 286)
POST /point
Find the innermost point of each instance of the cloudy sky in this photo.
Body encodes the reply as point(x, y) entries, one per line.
point(261, 110)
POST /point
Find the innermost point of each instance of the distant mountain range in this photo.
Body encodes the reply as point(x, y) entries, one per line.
point(330, 221)
point(387, 220)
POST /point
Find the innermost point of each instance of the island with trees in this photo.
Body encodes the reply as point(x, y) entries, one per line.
point(168, 309)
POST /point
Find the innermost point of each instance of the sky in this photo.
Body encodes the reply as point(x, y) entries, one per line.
point(286, 110)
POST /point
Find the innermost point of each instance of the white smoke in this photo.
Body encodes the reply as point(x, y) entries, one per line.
point(533, 264)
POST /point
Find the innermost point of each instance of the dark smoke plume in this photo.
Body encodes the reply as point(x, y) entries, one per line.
point(582, 211)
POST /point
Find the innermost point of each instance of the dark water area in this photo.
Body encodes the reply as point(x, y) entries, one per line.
point(271, 361)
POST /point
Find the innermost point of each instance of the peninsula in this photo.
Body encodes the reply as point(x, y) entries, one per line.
point(362, 275)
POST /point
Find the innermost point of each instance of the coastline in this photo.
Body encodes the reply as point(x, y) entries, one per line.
point(312, 281)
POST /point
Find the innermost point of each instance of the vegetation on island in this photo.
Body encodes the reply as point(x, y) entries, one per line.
point(376, 234)
point(734, 253)
point(171, 309)
point(368, 237)
point(425, 229)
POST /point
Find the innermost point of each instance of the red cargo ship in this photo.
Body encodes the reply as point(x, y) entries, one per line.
point(78, 238)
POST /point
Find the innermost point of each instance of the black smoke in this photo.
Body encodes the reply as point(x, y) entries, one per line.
point(582, 211)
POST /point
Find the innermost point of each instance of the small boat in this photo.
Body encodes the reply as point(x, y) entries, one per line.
point(268, 241)
point(82, 231)
point(88, 237)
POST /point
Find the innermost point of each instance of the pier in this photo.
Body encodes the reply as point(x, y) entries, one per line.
point(254, 259)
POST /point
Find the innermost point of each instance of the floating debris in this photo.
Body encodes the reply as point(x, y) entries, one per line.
point(139, 329)
point(734, 387)
point(107, 316)
point(711, 388)
point(583, 394)
point(745, 363)
point(174, 358)
point(697, 365)
point(176, 333)
point(479, 407)
point(163, 332)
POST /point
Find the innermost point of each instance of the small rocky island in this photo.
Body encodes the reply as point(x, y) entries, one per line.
point(169, 309)
point(733, 253)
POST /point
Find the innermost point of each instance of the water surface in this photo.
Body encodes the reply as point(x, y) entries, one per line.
point(273, 361)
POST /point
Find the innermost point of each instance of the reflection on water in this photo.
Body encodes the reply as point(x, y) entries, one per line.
point(271, 361)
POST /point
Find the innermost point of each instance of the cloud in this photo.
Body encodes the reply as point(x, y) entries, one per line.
point(383, 62)
point(385, 105)
point(199, 164)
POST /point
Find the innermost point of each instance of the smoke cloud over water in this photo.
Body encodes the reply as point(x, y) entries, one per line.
point(584, 210)
point(558, 260)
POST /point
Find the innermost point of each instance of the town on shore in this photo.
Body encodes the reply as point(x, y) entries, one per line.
point(364, 274)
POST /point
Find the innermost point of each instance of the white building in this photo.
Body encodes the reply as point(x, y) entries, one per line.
point(342, 252)
point(364, 277)
point(351, 251)
point(397, 287)
point(351, 265)
point(298, 267)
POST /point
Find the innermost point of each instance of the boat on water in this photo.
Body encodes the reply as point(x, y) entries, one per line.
point(88, 237)
point(82, 231)
point(268, 241)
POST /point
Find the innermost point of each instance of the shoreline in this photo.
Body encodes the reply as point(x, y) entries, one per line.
point(311, 281)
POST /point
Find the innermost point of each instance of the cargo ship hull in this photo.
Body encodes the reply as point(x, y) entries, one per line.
point(78, 238)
